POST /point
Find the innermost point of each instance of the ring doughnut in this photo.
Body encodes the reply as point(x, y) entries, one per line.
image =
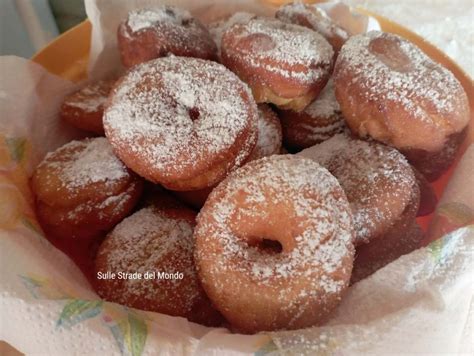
point(391, 91)
point(379, 183)
point(181, 122)
point(158, 238)
point(158, 32)
point(274, 244)
point(82, 190)
point(284, 64)
point(310, 16)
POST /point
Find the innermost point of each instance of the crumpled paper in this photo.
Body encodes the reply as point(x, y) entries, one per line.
point(420, 303)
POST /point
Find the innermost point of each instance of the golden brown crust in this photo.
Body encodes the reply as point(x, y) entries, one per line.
point(153, 33)
point(377, 179)
point(82, 190)
point(433, 164)
point(390, 90)
point(173, 123)
point(428, 198)
point(157, 238)
point(403, 237)
point(310, 16)
point(261, 52)
point(84, 109)
point(318, 122)
point(276, 233)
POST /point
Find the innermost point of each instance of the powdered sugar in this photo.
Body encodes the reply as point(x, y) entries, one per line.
point(217, 29)
point(325, 104)
point(269, 133)
point(256, 202)
point(146, 18)
point(89, 161)
point(318, 122)
point(289, 50)
point(377, 180)
point(408, 77)
point(311, 16)
point(177, 113)
point(91, 98)
point(150, 241)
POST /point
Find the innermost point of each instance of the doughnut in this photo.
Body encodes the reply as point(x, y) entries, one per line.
point(378, 181)
point(284, 64)
point(181, 122)
point(217, 28)
point(269, 133)
point(403, 237)
point(274, 244)
point(83, 190)
point(318, 122)
point(158, 238)
point(388, 89)
point(84, 108)
point(378, 253)
point(162, 31)
point(311, 16)
point(268, 143)
point(433, 164)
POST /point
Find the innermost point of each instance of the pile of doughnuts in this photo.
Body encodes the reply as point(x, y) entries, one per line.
point(195, 209)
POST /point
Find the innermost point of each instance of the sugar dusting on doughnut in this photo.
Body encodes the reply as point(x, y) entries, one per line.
point(141, 250)
point(410, 73)
point(146, 18)
point(286, 43)
point(318, 122)
point(93, 161)
point(161, 31)
point(312, 269)
point(217, 29)
point(326, 104)
point(83, 190)
point(325, 107)
point(377, 180)
point(400, 80)
point(322, 22)
point(91, 98)
point(309, 15)
point(178, 113)
point(269, 133)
